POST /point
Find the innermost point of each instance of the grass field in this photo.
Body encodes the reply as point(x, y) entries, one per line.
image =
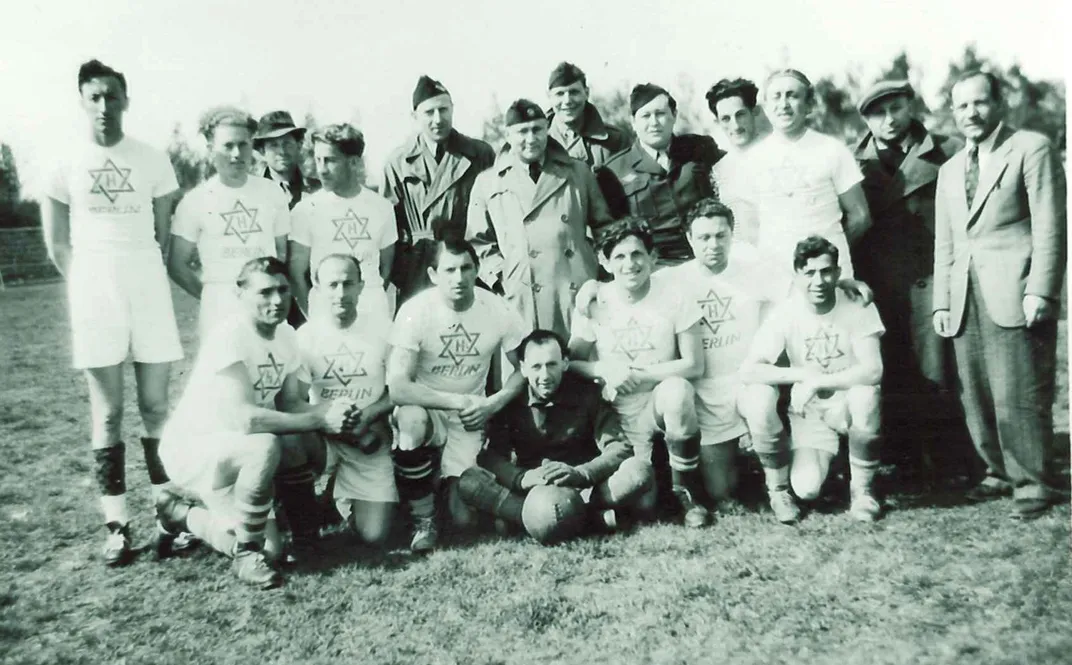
point(934, 582)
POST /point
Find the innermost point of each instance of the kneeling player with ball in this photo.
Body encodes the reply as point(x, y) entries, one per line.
point(568, 444)
point(227, 442)
point(834, 369)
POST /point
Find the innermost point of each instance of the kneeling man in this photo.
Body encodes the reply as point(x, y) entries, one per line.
point(642, 342)
point(227, 442)
point(567, 440)
point(834, 369)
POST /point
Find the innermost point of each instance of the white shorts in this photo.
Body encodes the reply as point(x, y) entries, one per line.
point(361, 477)
point(460, 446)
point(821, 424)
point(192, 463)
point(121, 305)
point(716, 410)
point(219, 302)
point(637, 415)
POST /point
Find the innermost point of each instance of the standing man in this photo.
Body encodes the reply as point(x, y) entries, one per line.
point(801, 182)
point(575, 123)
point(238, 431)
point(345, 218)
point(900, 161)
point(661, 176)
point(733, 104)
point(529, 218)
point(106, 224)
point(444, 341)
point(279, 141)
point(567, 439)
point(428, 180)
point(227, 220)
point(642, 342)
point(999, 266)
point(835, 368)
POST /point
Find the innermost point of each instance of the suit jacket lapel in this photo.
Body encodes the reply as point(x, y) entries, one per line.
point(996, 164)
point(449, 171)
point(551, 180)
point(915, 171)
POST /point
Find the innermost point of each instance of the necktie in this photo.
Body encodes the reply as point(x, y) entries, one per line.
point(971, 174)
point(664, 161)
point(534, 171)
point(440, 150)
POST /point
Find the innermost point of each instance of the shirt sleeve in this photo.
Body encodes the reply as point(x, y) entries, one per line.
point(57, 188)
point(406, 333)
point(222, 349)
point(687, 313)
point(769, 341)
point(846, 170)
point(165, 182)
point(583, 328)
point(186, 223)
point(300, 223)
point(868, 322)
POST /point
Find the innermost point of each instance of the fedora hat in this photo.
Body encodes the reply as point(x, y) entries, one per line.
point(275, 124)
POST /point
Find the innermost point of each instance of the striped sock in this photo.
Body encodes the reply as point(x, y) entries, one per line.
point(413, 476)
point(684, 461)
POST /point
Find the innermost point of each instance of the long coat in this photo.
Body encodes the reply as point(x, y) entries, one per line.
point(534, 237)
point(597, 141)
point(430, 200)
point(634, 184)
point(896, 257)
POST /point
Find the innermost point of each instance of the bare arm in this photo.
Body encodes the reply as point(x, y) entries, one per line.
point(179, 265)
point(857, 216)
point(163, 206)
point(867, 371)
point(401, 374)
point(297, 266)
point(56, 224)
point(387, 259)
point(247, 417)
point(689, 364)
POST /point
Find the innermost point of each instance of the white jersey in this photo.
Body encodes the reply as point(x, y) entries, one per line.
point(819, 341)
point(266, 362)
point(231, 225)
point(110, 194)
point(730, 305)
point(638, 333)
point(347, 364)
point(361, 226)
point(794, 187)
point(455, 349)
point(731, 186)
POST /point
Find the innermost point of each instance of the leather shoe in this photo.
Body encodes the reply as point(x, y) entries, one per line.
point(1030, 509)
point(988, 491)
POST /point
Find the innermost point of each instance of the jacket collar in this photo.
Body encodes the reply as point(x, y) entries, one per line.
point(592, 125)
point(456, 144)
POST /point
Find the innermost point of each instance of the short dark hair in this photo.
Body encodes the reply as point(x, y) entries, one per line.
point(540, 336)
point(268, 265)
point(725, 89)
point(225, 115)
point(624, 228)
point(95, 69)
point(341, 257)
point(813, 247)
point(344, 136)
point(708, 207)
point(453, 243)
point(992, 80)
point(809, 95)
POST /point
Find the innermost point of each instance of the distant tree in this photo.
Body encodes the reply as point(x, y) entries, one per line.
point(835, 110)
point(191, 166)
point(15, 211)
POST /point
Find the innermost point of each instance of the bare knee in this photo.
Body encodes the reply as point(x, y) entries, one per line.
point(302, 449)
point(758, 405)
point(414, 426)
point(674, 400)
point(864, 404)
point(259, 450)
point(808, 473)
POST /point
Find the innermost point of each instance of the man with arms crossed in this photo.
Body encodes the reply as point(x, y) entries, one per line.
point(227, 220)
point(835, 368)
point(444, 341)
point(642, 342)
point(567, 440)
point(228, 442)
point(106, 225)
point(343, 354)
point(345, 218)
point(999, 266)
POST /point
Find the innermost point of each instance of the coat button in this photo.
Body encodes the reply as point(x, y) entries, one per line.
point(565, 218)
point(568, 253)
point(536, 288)
point(533, 253)
point(921, 283)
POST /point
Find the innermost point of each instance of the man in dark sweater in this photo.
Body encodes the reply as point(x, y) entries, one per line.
point(574, 465)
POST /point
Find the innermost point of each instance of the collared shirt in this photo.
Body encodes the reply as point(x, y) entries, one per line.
point(986, 147)
point(660, 156)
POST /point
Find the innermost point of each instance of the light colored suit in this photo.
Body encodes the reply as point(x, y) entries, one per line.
point(1010, 242)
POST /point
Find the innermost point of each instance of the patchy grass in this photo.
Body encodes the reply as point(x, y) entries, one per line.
point(935, 582)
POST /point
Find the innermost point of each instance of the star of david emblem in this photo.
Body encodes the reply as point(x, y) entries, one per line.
point(110, 181)
point(351, 228)
point(459, 344)
point(788, 178)
point(344, 365)
point(716, 311)
point(269, 377)
point(823, 347)
point(241, 222)
point(633, 339)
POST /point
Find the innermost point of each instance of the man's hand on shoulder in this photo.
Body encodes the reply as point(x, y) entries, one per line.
point(857, 291)
point(586, 298)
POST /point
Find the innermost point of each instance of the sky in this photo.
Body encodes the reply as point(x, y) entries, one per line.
point(358, 61)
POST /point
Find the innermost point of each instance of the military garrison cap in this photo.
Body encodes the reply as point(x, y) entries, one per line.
point(566, 73)
point(644, 93)
point(523, 111)
point(427, 88)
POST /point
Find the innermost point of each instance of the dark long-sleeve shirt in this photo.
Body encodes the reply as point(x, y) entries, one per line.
point(576, 427)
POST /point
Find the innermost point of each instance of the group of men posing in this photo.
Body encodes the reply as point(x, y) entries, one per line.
point(730, 278)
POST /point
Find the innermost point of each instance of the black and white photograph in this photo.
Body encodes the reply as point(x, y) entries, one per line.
point(506, 333)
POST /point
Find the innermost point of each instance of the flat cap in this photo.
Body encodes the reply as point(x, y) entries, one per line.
point(882, 89)
point(523, 111)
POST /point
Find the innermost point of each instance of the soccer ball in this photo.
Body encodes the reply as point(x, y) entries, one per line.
point(552, 514)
